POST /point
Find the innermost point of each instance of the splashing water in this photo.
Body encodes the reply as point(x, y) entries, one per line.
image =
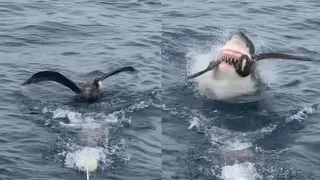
point(301, 115)
point(92, 147)
point(85, 159)
point(243, 171)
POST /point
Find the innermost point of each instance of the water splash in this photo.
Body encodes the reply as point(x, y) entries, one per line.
point(302, 115)
point(94, 144)
point(78, 158)
point(243, 171)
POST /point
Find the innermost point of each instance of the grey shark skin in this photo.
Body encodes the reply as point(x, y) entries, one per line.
point(89, 92)
point(239, 52)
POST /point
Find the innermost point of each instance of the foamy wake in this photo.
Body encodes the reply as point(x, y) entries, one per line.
point(238, 141)
point(234, 141)
point(92, 129)
point(231, 141)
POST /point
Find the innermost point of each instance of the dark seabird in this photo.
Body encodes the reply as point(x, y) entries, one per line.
point(89, 92)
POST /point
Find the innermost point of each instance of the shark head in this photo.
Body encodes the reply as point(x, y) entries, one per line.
point(235, 57)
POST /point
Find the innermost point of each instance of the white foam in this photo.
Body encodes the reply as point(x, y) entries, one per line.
point(233, 140)
point(243, 171)
point(267, 72)
point(92, 129)
point(301, 115)
point(84, 159)
point(86, 119)
point(64, 112)
point(230, 140)
point(194, 122)
point(237, 145)
point(140, 105)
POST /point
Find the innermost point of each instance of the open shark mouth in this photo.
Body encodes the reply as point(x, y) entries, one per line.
point(241, 63)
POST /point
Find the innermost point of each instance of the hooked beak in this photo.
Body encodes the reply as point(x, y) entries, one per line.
point(100, 86)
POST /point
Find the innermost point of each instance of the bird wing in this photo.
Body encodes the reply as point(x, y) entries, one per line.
point(279, 56)
point(210, 67)
point(116, 71)
point(53, 76)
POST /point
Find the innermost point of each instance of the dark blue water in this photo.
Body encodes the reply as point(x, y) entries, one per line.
point(45, 131)
point(281, 129)
point(154, 124)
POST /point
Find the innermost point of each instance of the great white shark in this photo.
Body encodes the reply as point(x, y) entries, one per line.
point(233, 72)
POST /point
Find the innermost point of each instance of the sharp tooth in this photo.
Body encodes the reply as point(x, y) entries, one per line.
point(244, 62)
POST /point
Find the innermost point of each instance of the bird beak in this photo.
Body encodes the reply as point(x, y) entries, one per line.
point(100, 86)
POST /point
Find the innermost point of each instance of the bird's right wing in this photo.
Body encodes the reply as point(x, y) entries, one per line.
point(279, 56)
point(119, 70)
point(53, 76)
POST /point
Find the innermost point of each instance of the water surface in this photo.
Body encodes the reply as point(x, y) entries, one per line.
point(280, 128)
point(45, 131)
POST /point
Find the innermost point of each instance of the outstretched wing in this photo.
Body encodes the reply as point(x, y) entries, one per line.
point(53, 76)
point(211, 66)
point(279, 56)
point(119, 70)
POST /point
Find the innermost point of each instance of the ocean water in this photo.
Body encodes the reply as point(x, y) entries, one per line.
point(153, 124)
point(45, 132)
point(280, 129)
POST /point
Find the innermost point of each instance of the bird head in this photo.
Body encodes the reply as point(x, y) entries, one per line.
point(98, 83)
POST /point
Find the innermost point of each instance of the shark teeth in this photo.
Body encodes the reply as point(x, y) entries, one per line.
point(229, 60)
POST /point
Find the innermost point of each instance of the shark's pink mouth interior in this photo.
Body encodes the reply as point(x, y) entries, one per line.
point(227, 54)
point(230, 58)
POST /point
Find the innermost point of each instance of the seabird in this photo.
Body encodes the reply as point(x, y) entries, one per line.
point(89, 92)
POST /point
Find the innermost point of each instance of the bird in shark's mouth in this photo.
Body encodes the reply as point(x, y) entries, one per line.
point(241, 63)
